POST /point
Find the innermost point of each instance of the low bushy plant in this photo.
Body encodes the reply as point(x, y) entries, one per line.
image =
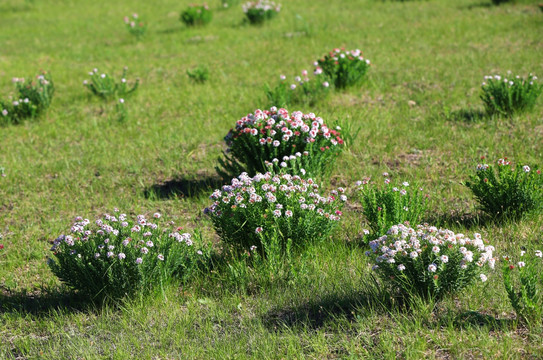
point(257, 12)
point(196, 15)
point(523, 283)
point(271, 211)
point(306, 90)
point(117, 256)
point(32, 97)
point(507, 96)
point(504, 191)
point(274, 135)
point(427, 262)
point(105, 86)
point(345, 68)
point(135, 26)
point(200, 74)
point(390, 204)
point(122, 113)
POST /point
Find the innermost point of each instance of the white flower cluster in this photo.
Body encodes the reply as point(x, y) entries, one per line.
point(269, 188)
point(402, 241)
point(517, 80)
point(264, 5)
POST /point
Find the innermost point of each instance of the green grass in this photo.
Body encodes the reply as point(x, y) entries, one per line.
point(79, 160)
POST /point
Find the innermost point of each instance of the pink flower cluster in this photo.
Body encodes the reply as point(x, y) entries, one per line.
point(275, 127)
point(341, 54)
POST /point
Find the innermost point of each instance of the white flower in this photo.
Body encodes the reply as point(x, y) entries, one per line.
point(444, 259)
point(121, 256)
point(526, 168)
point(538, 253)
point(401, 267)
point(521, 264)
point(432, 267)
point(4, 112)
point(325, 84)
point(292, 86)
point(160, 257)
point(483, 277)
point(405, 183)
point(139, 260)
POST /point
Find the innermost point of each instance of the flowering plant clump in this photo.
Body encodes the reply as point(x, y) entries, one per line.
point(31, 99)
point(429, 262)
point(135, 26)
point(391, 204)
point(261, 137)
point(196, 15)
point(259, 11)
point(345, 68)
point(506, 96)
point(117, 256)
point(305, 89)
point(105, 87)
point(523, 283)
point(267, 208)
point(507, 192)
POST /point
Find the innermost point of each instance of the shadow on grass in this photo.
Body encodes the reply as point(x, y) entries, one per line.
point(467, 115)
point(317, 313)
point(42, 302)
point(456, 218)
point(481, 4)
point(183, 187)
point(170, 30)
point(467, 319)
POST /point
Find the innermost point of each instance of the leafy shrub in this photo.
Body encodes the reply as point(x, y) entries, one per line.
point(274, 135)
point(273, 211)
point(427, 262)
point(509, 96)
point(196, 15)
point(345, 68)
point(523, 283)
point(117, 257)
point(259, 11)
point(31, 99)
point(105, 87)
point(385, 206)
point(135, 26)
point(507, 192)
point(199, 74)
point(305, 90)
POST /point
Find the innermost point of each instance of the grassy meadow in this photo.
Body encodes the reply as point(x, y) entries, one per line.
point(419, 118)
